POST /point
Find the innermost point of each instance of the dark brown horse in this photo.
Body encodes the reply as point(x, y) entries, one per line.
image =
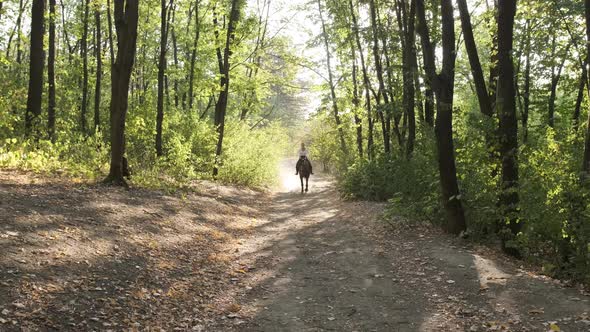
point(304, 172)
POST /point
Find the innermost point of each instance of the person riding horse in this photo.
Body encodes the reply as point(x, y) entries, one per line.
point(303, 156)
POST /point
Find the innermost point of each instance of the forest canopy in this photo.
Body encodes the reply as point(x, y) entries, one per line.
point(470, 114)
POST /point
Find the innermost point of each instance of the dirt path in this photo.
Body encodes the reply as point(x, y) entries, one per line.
point(83, 257)
point(326, 265)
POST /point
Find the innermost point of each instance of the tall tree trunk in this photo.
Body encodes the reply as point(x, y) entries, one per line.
point(366, 82)
point(379, 69)
point(98, 51)
point(580, 98)
point(193, 61)
point(51, 74)
point(485, 106)
point(555, 77)
point(36, 64)
point(176, 65)
point(356, 102)
point(109, 21)
point(429, 105)
point(331, 82)
point(84, 50)
point(527, 84)
point(161, 73)
point(494, 70)
point(21, 9)
point(429, 102)
point(409, 70)
point(14, 30)
point(586, 160)
point(126, 18)
point(224, 68)
point(417, 87)
point(508, 125)
point(443, 85)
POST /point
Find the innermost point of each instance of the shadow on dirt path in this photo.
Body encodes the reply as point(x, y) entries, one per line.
point(323, 264)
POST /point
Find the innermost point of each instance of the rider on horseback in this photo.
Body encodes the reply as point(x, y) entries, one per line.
point(302, 156)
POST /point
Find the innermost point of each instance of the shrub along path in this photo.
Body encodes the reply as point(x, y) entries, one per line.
point(77, 257)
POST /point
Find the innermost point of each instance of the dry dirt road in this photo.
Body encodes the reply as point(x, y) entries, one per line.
point(83, 257)
point(330, 265)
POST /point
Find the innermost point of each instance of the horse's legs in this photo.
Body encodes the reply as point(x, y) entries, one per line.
point(301, 178)
point(306, 183)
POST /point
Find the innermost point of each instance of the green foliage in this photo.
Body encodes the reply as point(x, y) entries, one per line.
point(411, 186)
point(251, 156)
point(74, 156)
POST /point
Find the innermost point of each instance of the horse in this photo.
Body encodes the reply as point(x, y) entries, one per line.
point(304, 172)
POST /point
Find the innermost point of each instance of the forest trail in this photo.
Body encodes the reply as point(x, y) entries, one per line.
point(327, 265)
point(80, 256)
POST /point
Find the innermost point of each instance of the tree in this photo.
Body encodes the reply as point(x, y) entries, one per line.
point(191, 79)
point(126, 19)
point(379, 69)
point(409, 56)
point(580, 97)
point(366, 81)
point(586, 159)
point(555, 77)
point(36, 65)
point(98, 55)
point(508, 125)
point(442, 85)
point(164, 28)
point(527, 82)
point(358, 122)
point(84, 51)
point(224, 71)
point(485, 105)
point(51, 74)
point(331, 84)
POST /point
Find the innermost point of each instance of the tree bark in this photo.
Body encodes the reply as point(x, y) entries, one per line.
point(586, 160)
point(580, 98)
point(527, 84)
point(356, 102)
point(36, 64)
point(366, 82)
point(379, 70)
point(485, 105)
point(443, 85)
point(161, 73)
point(508, 125)
point(21, 9)
point(126, 18)
point(51, 73)
point(84, 50)
point(224, 68)
point(193, 61)
point(494, 73)
point(97, 85)
point(175, 55)
point(409, 70)
point(331, 83)
point(110, 24)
